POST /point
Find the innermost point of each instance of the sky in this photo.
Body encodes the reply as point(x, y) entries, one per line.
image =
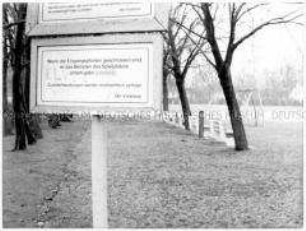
point(272, 48)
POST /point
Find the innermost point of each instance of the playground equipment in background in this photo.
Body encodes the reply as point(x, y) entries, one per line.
point(211, 129)
point(252, 113)
point(250, 103)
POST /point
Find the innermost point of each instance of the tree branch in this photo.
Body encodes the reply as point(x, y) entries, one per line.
point(190, 31)
point(249, 10)
point(197, 12)
point(274, 21)
point(239, 9)
point(9, 25)
point(201, 51)
point(193, 53)
point(183, 41)
point(233, 22)
point(210, 33)
point(183, 18)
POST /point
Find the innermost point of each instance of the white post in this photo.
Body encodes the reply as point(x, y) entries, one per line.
point(99, 172)
point(211, 128)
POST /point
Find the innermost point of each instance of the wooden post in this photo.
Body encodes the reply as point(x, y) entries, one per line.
point(99, 172)
point(201, 124)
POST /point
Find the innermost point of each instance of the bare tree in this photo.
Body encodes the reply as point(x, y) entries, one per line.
point(26, 125)
point(180, 53)
point(222, 60)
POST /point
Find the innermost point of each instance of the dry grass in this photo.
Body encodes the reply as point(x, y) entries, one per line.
point(159, 176)
point(48, 185)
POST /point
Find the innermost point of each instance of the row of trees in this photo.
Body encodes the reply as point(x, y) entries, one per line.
point(214, 31)
point(276, 87)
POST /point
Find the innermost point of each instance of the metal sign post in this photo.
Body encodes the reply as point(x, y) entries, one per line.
point(99, 172)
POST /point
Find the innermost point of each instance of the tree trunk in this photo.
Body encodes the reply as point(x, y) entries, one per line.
point(23, 132)
point(165, 92)
point(241, 142)
point(4, 74)
point(20, 140)
point(5, 64)
point(33, 121)
point(7, 123)
point(180, 84)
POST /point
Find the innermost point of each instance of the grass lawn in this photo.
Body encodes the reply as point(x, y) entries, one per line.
point(49, 184)
point(158, 176)
point(162, 176)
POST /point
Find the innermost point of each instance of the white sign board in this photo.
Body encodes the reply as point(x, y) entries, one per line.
point(95, 17)
point(101, 73)
point(112, 71)
point(72, 11)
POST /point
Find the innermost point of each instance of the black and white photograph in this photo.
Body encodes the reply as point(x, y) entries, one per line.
point(153, 114)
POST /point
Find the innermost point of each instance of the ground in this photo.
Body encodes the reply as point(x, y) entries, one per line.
point(49, 185)
point(158, 176)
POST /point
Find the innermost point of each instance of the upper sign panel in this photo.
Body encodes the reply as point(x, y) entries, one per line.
point(96, 17)
point(83, 11)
